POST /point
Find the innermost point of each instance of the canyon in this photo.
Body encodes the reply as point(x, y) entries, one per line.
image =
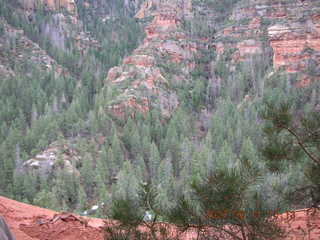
point(253, 30)
point(189, 56)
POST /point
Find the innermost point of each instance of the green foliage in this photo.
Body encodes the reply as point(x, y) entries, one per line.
point(65, 189)
point(222, 199)
point(126, 212)
point(293, 138)
point(1, 29)
point(188, 168)
point(45, 199)
point(88, 175)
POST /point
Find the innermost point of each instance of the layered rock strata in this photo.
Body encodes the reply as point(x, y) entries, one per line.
point(142, 80)
point(290, 28)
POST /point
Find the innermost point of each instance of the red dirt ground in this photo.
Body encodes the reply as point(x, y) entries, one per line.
point(29, 222)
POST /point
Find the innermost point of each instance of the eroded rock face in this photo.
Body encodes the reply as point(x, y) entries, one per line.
point(141, 78)
point(284, 33)
point(53, 5)
point(144, 10)
point(289, 28)
point(294, 44)
point(140, 60)
point(25, 51)
point(249, 47)
point(62, 25)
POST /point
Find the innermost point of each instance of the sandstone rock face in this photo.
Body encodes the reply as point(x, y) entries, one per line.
point(285, 33)
point(291, 44)
point(140, 79)
point(144, 10)
point(53, 5)
point(289, 28)
point(296, 43)
point(140, 60)
point(249, 47)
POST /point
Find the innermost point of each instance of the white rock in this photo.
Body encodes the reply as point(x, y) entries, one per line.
point(94, 207)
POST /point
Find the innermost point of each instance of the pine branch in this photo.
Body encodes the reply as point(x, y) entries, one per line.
point(301, 144)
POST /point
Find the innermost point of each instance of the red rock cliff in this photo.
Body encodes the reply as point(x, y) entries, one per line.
point(142, 73)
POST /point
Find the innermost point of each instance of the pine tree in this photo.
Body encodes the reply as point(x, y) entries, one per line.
point(165, 185)
point(132, 138)
point(45, 199)
point(101, 166)
point(128, 130)
point(117, 151)
point(82, 199)
point(127, 185)
point(290, 139)
point(65, 189)
point(141, 168)
point(30, 186)
point(172, 144)
point(112, 168)
point(222, 200)
point(249, 156)
point(154, 162)
point(88, 174)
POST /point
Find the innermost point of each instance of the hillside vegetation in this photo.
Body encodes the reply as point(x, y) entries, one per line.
point(101, 101)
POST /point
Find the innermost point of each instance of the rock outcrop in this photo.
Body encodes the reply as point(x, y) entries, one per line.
point(294, 44)
point(16, 49)
point(141, 80)
point(289, 28)
point(55, 156)
point(62, 24)
point(253, 29)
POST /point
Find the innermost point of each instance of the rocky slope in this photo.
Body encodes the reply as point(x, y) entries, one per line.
point(55, 156)
point(282, 34)
point(285, 34)
point(20, 54)
point(289, 28)
point(165, 57)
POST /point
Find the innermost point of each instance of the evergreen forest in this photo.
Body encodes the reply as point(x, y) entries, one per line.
point(239, 136)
